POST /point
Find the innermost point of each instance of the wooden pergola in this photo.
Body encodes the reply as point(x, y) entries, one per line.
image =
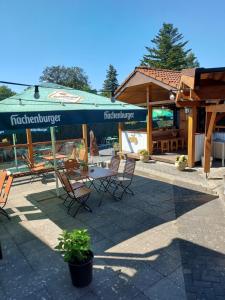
point(189, 90)
point(203, 87)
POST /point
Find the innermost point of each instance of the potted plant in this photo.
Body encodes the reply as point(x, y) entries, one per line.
point(83, 166)
point(116, 147)
point(75, 247)
point(143, 154)
point(181, 162)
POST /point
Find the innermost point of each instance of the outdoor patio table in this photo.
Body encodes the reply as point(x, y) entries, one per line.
point(98, 174)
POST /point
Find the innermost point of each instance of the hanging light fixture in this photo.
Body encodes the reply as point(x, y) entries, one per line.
point(172, 96)
point(187, 110)
point(36, 92)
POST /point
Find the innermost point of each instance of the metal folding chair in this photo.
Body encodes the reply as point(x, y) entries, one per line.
point(122, 183)
point(36, 169)
point(4, 195)
point(77, 192)
point(71, 166)
point(114, 167)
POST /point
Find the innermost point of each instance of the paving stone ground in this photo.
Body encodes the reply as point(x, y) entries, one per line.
point(166, 242)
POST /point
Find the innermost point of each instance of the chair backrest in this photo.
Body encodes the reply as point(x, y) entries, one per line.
point(5, 193)
point(65, 182)
point(71, 164)
point(129, 167)
point(3, 175)
point(114, 164)
point(27, 160)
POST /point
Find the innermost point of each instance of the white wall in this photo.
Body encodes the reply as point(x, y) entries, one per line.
point(134, 141)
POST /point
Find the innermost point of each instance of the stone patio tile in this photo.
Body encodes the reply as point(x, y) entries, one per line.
point(141, 296)
point(121, 236)
point(89, 296)
point(24, 286)
point(2, 293)
point(116, 288)
point(102, 246)
point(177, 277)
point(109, 230)
point(18, 233)
point(165, 290)
point(144, 277)
point(165, 264)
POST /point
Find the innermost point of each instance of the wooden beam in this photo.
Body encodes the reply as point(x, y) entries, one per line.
point(210, 122)
point(149, 124)
point(215, 108)
point(120, 129)
point(30, 146)
point(189, 103)
point(84, 132)
point(192, 124)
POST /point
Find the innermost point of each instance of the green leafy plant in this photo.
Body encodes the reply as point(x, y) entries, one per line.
point(116, 146)
point(74, 245)
point(181, 159)
point(143, 152)
point(83, 164)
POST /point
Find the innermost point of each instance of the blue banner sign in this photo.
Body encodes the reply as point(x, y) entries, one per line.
point(20, 120)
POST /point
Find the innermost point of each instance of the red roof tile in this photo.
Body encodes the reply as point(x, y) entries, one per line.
point(169, 77)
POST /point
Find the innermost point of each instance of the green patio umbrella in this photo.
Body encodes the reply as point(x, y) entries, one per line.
point(58, 105)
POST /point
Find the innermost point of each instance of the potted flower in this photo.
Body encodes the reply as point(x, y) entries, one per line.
point(75, 247)
point(144, 155)
point(181, 162)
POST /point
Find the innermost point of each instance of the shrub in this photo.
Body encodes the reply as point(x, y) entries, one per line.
point(74, 245)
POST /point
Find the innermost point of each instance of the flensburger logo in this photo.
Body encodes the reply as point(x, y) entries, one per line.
point(35, 119)
point(118, 115)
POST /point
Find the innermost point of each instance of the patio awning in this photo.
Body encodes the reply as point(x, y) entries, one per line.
point(59, 105)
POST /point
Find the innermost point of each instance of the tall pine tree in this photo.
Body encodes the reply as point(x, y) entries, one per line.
point(111, 83)
point(168, 51)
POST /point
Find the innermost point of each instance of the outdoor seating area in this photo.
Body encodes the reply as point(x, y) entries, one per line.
point(143, 244)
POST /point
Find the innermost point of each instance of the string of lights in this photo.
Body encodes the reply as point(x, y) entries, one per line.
point(37, 92)
point(46, 102)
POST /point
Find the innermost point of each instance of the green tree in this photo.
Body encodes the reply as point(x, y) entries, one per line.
point(5, 92)
point(169, 51)
point(73, 77)
point(111, 83)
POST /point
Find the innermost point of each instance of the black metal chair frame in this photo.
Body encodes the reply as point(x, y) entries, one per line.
point(33, 174)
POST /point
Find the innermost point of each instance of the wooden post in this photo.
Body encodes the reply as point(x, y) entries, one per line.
point(210, 122)
point(30, 146)
point(84, 132)
point(149, 124)
point(120, 129)
point(192, 123)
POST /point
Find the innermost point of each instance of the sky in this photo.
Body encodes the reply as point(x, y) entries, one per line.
point(92, 34)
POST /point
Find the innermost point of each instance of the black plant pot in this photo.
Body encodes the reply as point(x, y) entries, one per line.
point(81, 274)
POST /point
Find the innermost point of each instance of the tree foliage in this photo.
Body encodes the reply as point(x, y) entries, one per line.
point(169, 51)
point(5, 92)
point(73, 77)
point(111, 83)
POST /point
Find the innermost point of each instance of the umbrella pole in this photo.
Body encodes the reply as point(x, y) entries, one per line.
point(15, 152)
point(52, 130)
